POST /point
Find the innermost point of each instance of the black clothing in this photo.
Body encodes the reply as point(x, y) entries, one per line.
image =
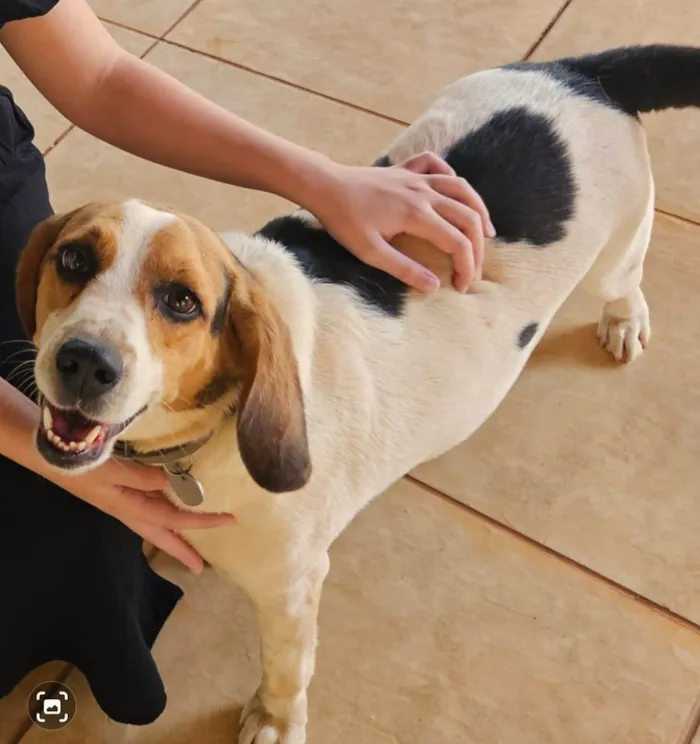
point(75, 583)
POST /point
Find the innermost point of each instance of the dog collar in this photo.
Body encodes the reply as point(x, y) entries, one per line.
point(187, 488)
point(167, 456)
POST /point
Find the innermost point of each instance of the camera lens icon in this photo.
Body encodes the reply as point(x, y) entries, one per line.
point(51, 706)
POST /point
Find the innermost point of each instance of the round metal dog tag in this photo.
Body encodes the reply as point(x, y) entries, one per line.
point(187, 488)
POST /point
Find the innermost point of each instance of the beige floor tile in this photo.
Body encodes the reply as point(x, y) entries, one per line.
point(152, 16)
point(81, 168)
point(591, 25)
point(392, 57)
point(434, 628)
point(13, 708)
point(47, 122)
point(602, 462)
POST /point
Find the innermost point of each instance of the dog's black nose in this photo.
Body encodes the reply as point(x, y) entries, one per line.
point(88, 368)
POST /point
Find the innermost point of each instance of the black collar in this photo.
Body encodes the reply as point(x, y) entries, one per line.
point(168, 456)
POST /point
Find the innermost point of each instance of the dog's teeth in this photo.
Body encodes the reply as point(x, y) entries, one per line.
point(92, 436)
point(80, 446)
point(48, 419)
point(52, 437)
point(73, 446)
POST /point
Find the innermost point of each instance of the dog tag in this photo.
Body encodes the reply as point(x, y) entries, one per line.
point(187, 488)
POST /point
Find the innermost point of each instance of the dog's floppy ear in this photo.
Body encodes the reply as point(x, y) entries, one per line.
point(271, 419)
point(30, 265)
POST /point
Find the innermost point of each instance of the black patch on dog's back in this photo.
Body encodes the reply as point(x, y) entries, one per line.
point(324, 259)
point(527, 334)
point(521, 168)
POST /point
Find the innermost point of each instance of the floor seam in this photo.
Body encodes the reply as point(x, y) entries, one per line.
point(692, 723)
point(682, 218)
point(650, 604)
point(287, 83)
point(180, 19)
point(537, 43)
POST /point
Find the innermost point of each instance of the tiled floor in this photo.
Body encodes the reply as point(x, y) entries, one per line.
point(555, 595)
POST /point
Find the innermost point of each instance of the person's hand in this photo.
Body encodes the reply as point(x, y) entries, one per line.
point(364, 208)
point(134, 495)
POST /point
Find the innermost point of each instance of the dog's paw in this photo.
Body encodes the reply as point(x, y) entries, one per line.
point(624, 330)
point(260, 726)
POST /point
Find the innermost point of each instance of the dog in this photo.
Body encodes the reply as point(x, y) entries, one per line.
point(278, 378)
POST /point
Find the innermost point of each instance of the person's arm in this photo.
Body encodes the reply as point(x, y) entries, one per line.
point(127, 492)
point(134, 106)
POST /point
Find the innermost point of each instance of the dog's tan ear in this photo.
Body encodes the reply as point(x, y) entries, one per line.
point(29, 268)
point(271, 419)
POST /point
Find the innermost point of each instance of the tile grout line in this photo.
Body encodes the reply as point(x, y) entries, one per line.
point(675, 216)
point(287, 83)
point(650, 604)
point(535, 46)
point(692, 725)
point(180, 19)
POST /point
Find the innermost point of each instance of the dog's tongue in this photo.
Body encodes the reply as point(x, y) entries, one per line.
point(71, 426)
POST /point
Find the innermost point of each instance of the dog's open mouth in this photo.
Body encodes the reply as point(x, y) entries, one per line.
point(68, 439)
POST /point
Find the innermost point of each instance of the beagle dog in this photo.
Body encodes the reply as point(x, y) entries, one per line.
point(280, 379)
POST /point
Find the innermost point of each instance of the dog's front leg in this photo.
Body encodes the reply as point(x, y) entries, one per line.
point(277, 713)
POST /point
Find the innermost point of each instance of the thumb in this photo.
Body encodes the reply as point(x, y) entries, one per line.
point(142, 477)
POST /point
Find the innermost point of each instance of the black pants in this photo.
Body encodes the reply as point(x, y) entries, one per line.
point(75, 584)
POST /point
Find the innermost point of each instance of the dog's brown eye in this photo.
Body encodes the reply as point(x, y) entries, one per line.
point(72, 260)
point(181, 301)
point(76, 263)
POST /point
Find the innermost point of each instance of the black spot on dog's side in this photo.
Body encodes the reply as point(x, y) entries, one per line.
point(521, 168)
point(322, 258)
point(527, 334)
point(218, 320)
point(382, 162)
point(215, 389)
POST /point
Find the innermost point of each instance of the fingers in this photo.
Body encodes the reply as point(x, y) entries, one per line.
point(469, 224)
point(169, 543)
point(158, 511)
point(446, 237)
point(382, 256)
point(460, 189)
point(428, 163)
point(139, 477)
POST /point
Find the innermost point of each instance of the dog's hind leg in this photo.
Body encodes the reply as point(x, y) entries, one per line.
point(624, 328)
point(277, 713)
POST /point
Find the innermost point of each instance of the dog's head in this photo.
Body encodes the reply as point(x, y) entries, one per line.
point(148, 329)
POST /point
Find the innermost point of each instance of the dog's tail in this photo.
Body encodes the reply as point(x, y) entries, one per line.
point(640, 79)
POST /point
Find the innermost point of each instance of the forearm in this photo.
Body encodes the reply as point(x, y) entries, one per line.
point(18, 420)
point(142, 110)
